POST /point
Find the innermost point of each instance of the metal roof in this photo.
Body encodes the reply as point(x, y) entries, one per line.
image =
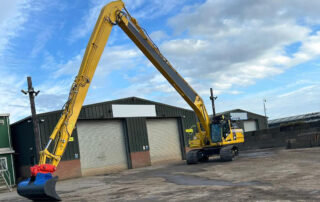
point(6, 151)
point(304, 117)
point(237, 110)
point(6, 114)
point(107, 102)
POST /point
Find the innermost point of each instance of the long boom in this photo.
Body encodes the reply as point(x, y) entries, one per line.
point(130, 26)
point(112, 14)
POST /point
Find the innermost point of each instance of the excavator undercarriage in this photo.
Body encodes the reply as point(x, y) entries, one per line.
point(227, 153)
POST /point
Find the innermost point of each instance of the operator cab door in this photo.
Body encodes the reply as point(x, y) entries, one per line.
point(216, 131)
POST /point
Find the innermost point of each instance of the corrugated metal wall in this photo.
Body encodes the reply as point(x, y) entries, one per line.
point(4, 132)
point(47, 122)
point(136, 127)
point(137, 133)
point(23, 143)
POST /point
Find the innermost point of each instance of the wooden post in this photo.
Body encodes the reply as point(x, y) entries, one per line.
point(36, 131)
point(212, 98)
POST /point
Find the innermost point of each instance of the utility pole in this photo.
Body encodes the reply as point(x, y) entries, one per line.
point(212, 98)
point(264, 107)
point(32, 94)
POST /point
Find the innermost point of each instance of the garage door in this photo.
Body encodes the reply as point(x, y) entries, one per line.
point(102, 147)
point(164, 142)
point(250, 126)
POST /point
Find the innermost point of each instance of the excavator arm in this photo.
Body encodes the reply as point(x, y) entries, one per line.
point(131, 27)
point(41, 185)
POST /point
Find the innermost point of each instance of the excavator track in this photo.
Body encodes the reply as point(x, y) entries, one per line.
point(227, 153)
point(197, 155)
point(193, 156)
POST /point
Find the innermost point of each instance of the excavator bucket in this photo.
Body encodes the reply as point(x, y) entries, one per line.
point(39, 188)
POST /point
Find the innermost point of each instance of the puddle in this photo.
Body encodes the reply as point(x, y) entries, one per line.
point(257, 154)
point(198, 181)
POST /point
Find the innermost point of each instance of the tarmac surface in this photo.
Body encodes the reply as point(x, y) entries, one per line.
point(260, 175)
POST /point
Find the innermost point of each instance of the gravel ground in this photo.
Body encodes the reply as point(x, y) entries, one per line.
point(261, 175)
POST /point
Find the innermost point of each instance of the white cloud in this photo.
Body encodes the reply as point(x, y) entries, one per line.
point(148, 10)
point(158, 35)
point(12, 100)
point(215, 16)
point(114, 57)
point(299, 101)
point(139, 9)
point(299, 91)
point(49, 61)
point(235, 44)
point(217, 44)
point(57, 87)
point(13, 14)
point(71, 67)
point(88, 21)
point(41, 40)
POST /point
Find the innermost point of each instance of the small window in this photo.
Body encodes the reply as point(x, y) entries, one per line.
point(1, 122)
point(235, 125)
point(3, 164)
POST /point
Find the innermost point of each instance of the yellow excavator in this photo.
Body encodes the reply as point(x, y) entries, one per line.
point(215, 136)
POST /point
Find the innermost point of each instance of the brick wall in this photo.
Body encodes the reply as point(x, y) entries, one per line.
point(65, 170)
point(140, 159)
point(68, 169)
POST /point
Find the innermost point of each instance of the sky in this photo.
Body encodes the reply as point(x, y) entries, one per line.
point(247, 51)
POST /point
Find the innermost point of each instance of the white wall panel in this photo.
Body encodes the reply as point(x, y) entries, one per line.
point(122, 110)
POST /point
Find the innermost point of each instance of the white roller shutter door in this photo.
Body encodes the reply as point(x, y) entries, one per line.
point(164, 142)
point(102, 147)
point(250, 126)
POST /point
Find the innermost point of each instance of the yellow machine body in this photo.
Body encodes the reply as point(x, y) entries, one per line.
point(235, 136)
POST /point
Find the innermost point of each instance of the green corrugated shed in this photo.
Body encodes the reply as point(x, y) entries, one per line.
point(4, 131)
point(135, 128)
point(6, 151)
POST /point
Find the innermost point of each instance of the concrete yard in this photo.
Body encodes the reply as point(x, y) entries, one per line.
point(261, 175)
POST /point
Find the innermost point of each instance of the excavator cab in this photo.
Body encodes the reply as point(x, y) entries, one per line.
point(219, 127)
